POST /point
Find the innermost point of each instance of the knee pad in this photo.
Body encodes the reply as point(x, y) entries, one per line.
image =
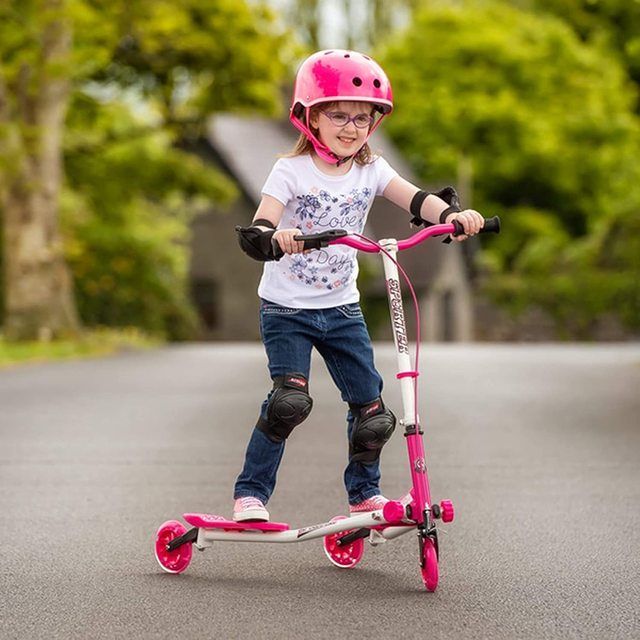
point(373, 425)
point(289, 405)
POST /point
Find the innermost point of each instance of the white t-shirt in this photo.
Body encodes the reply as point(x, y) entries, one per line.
point(315, 202)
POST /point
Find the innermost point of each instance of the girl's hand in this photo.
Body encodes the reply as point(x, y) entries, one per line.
point(470, 220)
point(285, 238)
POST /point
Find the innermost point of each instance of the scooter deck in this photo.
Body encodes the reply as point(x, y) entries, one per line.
point(209, 521)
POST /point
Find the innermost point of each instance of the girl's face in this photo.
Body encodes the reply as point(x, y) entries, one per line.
point(343, 126)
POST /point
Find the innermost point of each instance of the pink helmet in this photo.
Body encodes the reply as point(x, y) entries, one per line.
point(337, 74)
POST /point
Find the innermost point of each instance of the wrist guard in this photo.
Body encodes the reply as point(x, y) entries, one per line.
point(448, 194)
point(256, 242)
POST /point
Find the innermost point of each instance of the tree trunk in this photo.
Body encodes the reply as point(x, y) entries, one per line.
point(39, 301)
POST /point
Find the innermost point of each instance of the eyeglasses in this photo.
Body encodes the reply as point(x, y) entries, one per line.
point(341, 119)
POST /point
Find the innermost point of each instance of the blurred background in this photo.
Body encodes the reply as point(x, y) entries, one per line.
point(135, 136)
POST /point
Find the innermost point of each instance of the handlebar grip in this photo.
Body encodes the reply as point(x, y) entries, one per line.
point(322, 239)
point(311, 241)
point(491, 225)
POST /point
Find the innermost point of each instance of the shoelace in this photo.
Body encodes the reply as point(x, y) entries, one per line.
point(250, 502)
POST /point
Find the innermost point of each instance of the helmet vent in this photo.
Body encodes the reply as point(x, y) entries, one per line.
point(357, 81)
point(347, 55)
point(326, 53)
point(376, 83)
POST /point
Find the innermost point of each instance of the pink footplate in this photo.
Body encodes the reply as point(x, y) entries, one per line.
point(208, 521)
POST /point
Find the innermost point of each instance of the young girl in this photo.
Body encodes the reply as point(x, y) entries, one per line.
point(310, 299)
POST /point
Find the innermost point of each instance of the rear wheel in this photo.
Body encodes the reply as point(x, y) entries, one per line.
point(343, 556)
point(175, 561)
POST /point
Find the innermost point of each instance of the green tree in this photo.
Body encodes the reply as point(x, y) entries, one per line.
point(349, 24)
point(129, 198)
point(178, 61)
point(35, 47)
point(547, 123)
point(196, 57)
point(129, 257)
point(615, 23)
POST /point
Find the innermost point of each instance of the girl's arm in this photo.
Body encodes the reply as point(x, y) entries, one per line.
point(271, 209)
point(401, 192)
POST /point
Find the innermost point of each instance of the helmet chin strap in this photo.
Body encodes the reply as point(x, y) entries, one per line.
point(322, 149)
point(327, 155)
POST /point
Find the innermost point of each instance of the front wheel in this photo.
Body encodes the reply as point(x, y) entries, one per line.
point(429, 565)
point(175, 561)
point(343, 556)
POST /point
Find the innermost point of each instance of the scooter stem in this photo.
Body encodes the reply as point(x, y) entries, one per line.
point(406, 374)
point(407, 377)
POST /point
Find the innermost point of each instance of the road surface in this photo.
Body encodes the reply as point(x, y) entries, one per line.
point(538, 447)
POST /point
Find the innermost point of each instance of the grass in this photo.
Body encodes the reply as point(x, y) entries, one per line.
point(92, 344)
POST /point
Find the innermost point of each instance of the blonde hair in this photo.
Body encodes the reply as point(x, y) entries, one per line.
point(303, 145)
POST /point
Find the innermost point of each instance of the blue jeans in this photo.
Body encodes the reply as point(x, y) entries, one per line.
point(340, 335)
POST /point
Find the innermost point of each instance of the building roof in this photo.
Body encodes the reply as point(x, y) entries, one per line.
point(249, 147)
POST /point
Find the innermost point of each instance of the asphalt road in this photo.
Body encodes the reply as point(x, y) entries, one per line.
point(538, 447)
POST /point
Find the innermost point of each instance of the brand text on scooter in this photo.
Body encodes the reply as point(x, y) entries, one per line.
point(397, 315)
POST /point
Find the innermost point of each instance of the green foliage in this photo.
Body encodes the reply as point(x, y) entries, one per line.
point(614, 22)
point(194, 57)
point(145, 76)
point(363, 23)
point(130, 197)
point(100, 342)
point(548, 124)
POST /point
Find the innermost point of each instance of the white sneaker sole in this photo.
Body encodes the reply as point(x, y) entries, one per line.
point(251, 514)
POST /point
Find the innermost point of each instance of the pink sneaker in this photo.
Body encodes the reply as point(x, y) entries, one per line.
point(375, 503)
point(249, 508)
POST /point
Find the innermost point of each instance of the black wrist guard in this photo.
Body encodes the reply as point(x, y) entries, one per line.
point(256, 243)
point(448, 194)
point(415, 206)
point(449, 210)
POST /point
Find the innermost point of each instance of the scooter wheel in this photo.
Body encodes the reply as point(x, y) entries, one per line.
point(446, 510)
point(175, 561)
point(347, 556)
point(430, 565)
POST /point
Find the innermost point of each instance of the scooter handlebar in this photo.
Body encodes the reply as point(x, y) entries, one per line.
point(491, 225)
point(340, 236)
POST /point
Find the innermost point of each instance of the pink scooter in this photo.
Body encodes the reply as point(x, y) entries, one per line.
point(343, 537)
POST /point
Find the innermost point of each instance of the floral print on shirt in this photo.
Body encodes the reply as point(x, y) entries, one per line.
point(318, 211)
point(304, 269)
point(319, 206)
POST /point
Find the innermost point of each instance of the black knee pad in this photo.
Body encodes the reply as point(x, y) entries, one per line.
point(289, 405)
point(373, 425)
